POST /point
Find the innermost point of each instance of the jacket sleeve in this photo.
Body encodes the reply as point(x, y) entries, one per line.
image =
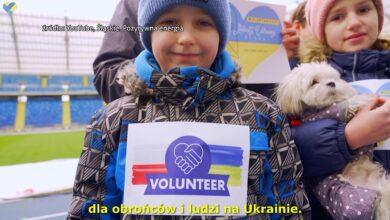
point(95, 187)
point(322, 146)
point(117, 49)
point(346, 201)
point(286, 166)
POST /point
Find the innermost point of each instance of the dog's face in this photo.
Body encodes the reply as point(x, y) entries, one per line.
point(312, 85)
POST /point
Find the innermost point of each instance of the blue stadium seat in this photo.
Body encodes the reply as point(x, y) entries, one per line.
point(43, 111)
point(73, 81)
point(81, 89)
point(10, 83)
point(90, 81)
point(83, 107)
point(7, 112)
point(43, 90)
point(15, 79)
point(9, 89)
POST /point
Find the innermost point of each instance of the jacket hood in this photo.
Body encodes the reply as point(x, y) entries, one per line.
point(178, 89)
point(352, 66)
point(311, 50)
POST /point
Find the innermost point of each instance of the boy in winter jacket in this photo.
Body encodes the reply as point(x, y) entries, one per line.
point(118, 49)
point(188, 76)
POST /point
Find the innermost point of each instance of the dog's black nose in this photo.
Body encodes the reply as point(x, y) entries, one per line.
point(331, 84)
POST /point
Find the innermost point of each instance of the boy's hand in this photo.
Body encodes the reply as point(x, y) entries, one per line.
point(290, 39)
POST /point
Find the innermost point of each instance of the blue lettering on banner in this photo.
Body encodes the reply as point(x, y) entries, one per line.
point(188, 162)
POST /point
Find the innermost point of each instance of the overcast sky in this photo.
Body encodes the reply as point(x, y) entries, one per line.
point(88, 9)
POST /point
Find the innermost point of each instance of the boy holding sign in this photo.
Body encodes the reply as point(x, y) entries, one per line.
point(188, 76)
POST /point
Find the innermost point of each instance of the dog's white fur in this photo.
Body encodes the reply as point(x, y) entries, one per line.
point(310, 86)
point(317, 86)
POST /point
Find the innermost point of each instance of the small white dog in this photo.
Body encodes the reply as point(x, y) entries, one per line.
point(308, 93)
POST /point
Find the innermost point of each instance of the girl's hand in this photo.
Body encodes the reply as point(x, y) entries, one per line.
point(370, 125)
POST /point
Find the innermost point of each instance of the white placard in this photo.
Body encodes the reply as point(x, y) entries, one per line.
point(188, 168)
point(256, 41)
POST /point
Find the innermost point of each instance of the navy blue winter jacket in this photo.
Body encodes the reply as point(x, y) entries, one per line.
point(322, 144)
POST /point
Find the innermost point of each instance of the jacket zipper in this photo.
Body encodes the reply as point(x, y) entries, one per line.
point(354, 67)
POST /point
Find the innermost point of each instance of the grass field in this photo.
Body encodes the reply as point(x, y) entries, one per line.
point(27, 148)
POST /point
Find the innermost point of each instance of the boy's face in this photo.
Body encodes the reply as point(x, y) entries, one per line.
point(352, 25)
point(196, 45)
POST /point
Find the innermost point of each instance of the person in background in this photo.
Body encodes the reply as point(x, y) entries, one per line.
point(299, 31)
point(117, 50)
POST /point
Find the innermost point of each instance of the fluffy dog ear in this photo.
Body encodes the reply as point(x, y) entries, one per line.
point(289, 92)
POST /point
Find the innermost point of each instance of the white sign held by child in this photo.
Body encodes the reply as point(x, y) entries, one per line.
point(186, 168)
point(256, 41)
